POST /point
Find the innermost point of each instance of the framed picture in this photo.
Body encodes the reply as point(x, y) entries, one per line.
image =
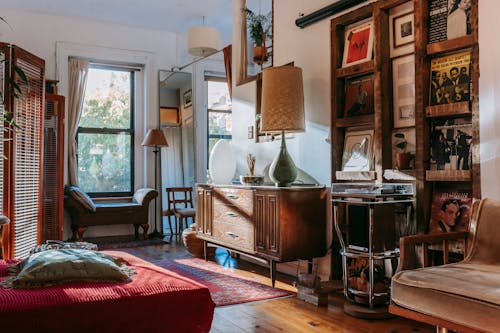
point(358, 151)
point(403, 29)
point(451, 144)
point(450, 78)
point(359, 96)
point(187, 98)
point(358, 46)
point(403, 85)
point(451, 210)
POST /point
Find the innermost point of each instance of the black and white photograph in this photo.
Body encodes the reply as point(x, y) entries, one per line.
point(187, 96)
point(403, 30)
point(449, 19)
point(451, 141)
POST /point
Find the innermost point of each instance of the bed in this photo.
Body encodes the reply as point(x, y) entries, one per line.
point(156, 300)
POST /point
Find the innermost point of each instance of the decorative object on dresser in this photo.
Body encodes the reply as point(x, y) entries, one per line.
point(267, 223)
point(250, 178)
point(222, 162)
point(155, 138)
point(282, 111)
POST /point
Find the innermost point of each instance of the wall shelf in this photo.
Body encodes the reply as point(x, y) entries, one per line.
point(366, 120)
point(448, 175)
point(355, 70)
point(447, 110)
point(451, 45)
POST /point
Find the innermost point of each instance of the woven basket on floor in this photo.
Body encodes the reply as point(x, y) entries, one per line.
point(193, 244)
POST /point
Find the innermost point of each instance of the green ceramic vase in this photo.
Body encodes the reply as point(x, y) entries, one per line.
point(283, 171)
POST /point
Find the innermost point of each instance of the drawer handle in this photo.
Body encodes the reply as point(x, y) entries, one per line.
point(232, 234)
point(232, 214)
point(232, 196)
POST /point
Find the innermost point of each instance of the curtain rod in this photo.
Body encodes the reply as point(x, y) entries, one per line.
point(325, 12)
point(176, 69)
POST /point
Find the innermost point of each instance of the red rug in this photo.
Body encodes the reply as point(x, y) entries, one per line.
point(226, 287)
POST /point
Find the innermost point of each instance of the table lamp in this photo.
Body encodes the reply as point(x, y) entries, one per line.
point(282, 111)
point(155, 138)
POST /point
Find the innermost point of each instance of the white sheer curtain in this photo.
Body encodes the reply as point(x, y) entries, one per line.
point(172, 173)
point(78, 70)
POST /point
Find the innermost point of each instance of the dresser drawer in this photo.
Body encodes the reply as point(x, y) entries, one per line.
point(241, 199)
point(232, 229)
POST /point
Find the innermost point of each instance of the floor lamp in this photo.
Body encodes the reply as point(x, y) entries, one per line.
point(155, 138)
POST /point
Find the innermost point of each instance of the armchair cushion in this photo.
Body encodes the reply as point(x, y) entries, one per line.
point(81, 197)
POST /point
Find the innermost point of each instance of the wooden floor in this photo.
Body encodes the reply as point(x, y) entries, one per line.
point(285, 314)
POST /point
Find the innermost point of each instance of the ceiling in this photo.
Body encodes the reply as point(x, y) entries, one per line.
point(172, 15)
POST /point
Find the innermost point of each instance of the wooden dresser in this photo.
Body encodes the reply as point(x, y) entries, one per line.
point(268, 223)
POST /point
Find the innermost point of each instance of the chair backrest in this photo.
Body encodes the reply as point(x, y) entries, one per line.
point(483, 243)
point(179, 197)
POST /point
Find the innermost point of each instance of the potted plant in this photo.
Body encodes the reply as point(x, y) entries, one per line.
point(259, 28)
point(403, 158)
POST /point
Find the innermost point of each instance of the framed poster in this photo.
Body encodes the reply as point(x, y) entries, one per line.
point(358, 151)
point(187, 98)
point(403, 29)
point(448, 19)
point(451, 210)
point(358, 45)
point(359, 96)
point(450, 78)
point(403, 85)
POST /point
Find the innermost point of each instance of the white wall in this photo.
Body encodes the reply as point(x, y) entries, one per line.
point(489, 104)
point(38, 33)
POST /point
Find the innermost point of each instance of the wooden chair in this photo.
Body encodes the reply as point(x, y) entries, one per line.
point(180, 204)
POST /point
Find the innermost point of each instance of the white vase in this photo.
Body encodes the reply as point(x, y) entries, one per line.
point(222, 163)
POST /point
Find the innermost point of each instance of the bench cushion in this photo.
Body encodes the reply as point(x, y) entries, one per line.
point(464, 293)
point(81, 197)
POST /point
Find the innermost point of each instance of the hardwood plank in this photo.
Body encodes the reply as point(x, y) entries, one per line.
point(287, 314)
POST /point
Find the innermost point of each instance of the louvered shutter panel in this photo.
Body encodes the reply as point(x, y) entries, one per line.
point(22, 197)
point(53, 168)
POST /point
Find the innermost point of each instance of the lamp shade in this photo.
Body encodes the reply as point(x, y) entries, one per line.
point(203, 41)
point(155, 137)
point(282, 100)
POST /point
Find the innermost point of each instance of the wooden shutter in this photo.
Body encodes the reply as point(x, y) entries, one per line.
point(53, 168)
point(22, 176)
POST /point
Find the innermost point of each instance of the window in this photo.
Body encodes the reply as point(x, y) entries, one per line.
point(106, 132)
point(219, 110)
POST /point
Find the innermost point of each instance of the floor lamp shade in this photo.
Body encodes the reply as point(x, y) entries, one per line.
point(155, 137)
point(203, 41)
point(282, 111)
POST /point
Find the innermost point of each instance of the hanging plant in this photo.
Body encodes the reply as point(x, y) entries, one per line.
point(260, 29)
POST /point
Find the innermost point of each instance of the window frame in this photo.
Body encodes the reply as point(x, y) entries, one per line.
point(116, 131)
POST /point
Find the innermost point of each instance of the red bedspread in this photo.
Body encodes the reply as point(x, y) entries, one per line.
point(156, 300)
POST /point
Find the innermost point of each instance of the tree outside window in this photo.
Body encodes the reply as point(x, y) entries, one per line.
point(106, 132)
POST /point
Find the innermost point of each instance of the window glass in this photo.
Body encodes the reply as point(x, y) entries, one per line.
point(105, 133)
point(220, 120)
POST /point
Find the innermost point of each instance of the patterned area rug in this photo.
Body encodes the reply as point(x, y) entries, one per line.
point(226, 287)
